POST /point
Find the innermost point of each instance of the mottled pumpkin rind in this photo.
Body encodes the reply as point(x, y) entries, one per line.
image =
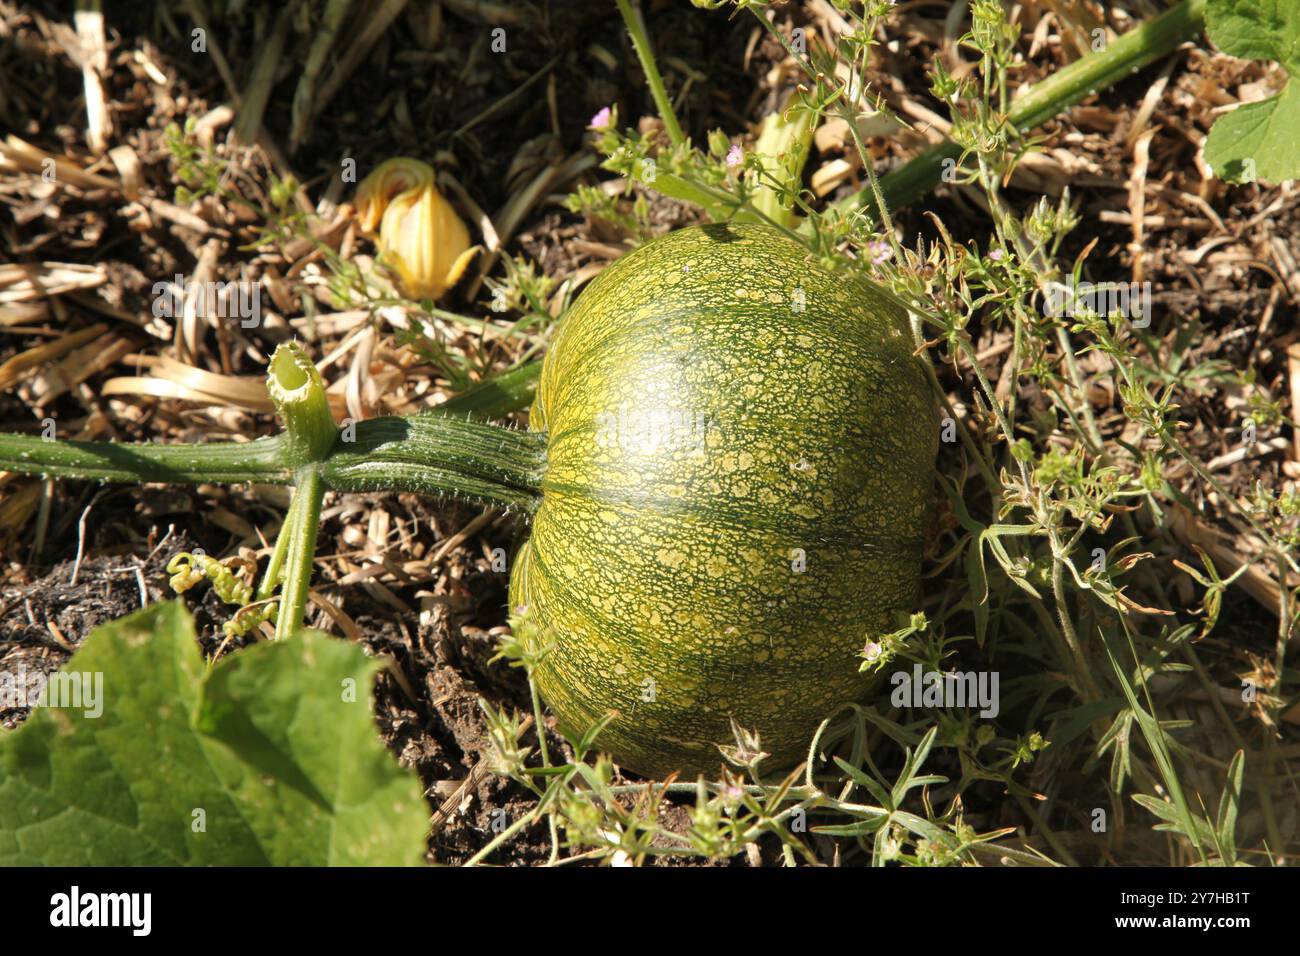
point(717, 404)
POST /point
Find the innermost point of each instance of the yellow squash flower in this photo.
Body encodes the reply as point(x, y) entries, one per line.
point(391, 178)
point(420, 236)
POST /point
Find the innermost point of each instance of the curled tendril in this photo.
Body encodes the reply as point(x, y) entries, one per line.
point(188, 569)
point(250, 617)
point(184, 574)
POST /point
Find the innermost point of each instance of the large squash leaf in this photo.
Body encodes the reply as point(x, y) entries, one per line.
point(1258, 141)
point(271, 757)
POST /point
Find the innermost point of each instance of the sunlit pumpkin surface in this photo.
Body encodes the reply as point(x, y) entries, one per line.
point(740, 450)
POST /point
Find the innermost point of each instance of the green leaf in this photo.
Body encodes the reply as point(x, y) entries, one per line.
point(270, 758)
point(912, 765)
point(1256, 29)
point(1226, 823)
point(1187, 822)
point(1190, 825)
point(923, 828)
point(861, 828)
point(1258, 141)
point(880, 794)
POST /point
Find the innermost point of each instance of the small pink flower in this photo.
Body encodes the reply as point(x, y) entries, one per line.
point(601, 119)
point(880, 252)
point(996, 255)
point(735, 156)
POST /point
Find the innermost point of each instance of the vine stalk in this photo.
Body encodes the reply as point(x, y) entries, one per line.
point(641, 43)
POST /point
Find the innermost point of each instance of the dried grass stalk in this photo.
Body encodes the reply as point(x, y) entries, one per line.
point(22, 363)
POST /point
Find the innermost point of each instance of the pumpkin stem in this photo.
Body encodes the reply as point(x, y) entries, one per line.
point(430, 454)
point(298, 534)
point(474, 460)
point(442, 456)
point(221, 463)
point(299, 396)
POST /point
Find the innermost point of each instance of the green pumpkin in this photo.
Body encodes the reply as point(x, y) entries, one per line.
point(739, 456)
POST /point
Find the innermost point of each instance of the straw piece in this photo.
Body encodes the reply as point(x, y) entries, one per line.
point(128, 167)
point(32, 159)
point(92, 57)
point(30, 281)
point(24, 362)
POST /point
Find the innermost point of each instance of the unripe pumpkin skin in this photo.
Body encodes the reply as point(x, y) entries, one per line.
point(739, 462)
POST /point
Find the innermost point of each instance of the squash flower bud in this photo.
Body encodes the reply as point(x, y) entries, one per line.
point(420, 236)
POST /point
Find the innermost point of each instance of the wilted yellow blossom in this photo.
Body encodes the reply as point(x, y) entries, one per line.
point(390, 178)
point(420, 236)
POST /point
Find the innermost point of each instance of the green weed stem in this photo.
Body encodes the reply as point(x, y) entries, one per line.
point(641, 43)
